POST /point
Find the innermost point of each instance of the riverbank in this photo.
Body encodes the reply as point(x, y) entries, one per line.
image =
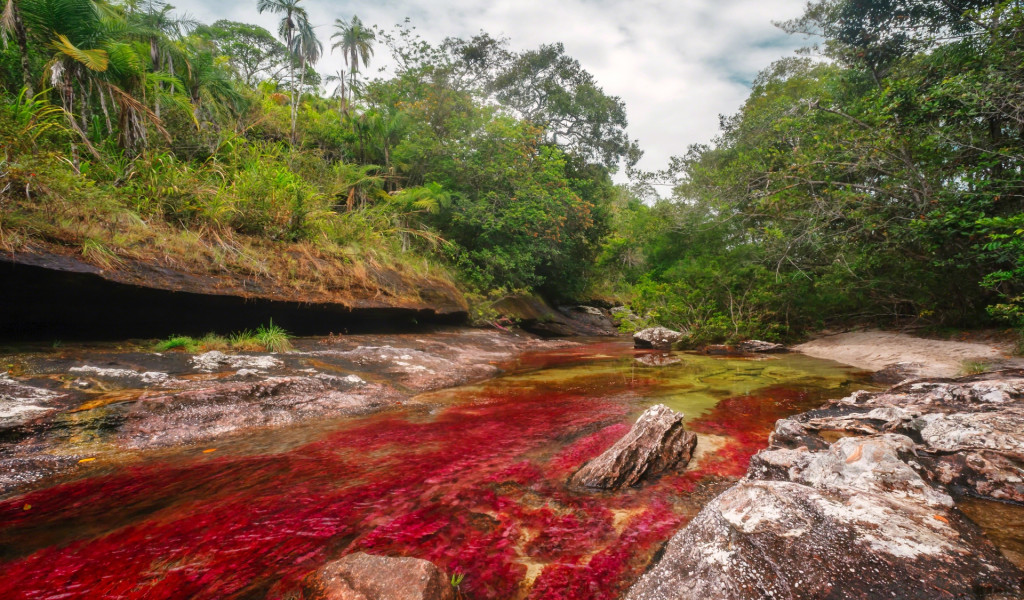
point(876, 350)
point(78, 403)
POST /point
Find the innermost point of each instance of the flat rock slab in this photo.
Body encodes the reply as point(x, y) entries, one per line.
point(362, 576)
point(657, 443)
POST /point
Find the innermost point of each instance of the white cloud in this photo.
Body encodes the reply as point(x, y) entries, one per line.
point(677, 65)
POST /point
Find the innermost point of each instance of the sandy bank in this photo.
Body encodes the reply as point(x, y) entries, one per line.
point(875, 350)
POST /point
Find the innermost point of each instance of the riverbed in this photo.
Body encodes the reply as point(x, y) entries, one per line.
point(471, 478)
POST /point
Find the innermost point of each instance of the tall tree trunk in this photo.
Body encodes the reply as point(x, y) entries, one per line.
point(106, 113)
point(296, 98)
point(154, 55)
point(19, 33)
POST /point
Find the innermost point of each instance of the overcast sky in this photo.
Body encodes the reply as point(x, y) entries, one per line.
point(676, 64)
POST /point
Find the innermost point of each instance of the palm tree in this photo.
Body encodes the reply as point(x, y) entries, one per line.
point(356, 42)
point(294, 19)
point(160, 29)
point(339, 91)
point(308, 49)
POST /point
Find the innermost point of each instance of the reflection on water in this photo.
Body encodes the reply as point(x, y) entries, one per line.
point(470, 478)
point(1002, 523)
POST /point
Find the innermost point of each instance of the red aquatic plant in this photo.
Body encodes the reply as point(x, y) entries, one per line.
point(477, 489)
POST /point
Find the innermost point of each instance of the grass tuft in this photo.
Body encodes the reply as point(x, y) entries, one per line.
point(273, 338)
point(974, 367)
point(266, 338)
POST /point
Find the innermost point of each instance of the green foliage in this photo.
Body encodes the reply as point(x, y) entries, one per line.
point(883, 186)
point(177, 342)
point(266, 338)
point(273, 338)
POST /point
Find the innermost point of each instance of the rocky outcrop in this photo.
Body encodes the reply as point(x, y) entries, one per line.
point(657, 443)
point(760, 347)
point(854, 521)
point(535, 315)
point(869, 515)
point(969, 433)
point(658, 338)
point(76, 402)
point(589, 318)
point(363, 576)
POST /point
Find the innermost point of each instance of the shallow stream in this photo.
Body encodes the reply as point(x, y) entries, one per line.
point(471, 478)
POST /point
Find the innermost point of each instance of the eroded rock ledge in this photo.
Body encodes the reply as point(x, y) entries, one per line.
point(869, 515)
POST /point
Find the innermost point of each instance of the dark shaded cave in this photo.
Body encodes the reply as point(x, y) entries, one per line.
point(41, 304)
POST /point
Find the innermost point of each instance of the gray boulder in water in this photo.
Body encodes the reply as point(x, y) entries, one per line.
point(658, 338)
point(657, 443)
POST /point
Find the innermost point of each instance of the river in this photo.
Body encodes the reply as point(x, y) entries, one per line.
point(471, 478)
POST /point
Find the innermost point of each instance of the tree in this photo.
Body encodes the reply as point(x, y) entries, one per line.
point(295, 19)
point(11, 22)
point(355, 41)
point(252, 51)
point(552, 90)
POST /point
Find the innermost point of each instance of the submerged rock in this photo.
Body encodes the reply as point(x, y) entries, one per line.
point(363, 576)
point(761, 347)
point(853, 521)
point(657, 443)
point(658, 338)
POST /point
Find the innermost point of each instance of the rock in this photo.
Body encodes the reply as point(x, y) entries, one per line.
point(760, 347)
point(21, 403)
point(363, 576)
point(853, 521)
point(968, 433)
point(216, 360)
point(717, 350)
point(775, 539)
point(127, 377)
point(657, 360)
point(657, 443)
point(897, 372)
point(589, 318)
point(227, 406)
point(658, 338)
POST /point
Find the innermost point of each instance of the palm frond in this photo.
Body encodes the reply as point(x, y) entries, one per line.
point(94, 60)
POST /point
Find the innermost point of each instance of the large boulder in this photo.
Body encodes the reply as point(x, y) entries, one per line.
point(658, 338)
point(853, 521)
point(657, 443)
point(590, 319)
point(363, 576)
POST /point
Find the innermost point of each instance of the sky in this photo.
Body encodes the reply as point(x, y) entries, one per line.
point(677, 64)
